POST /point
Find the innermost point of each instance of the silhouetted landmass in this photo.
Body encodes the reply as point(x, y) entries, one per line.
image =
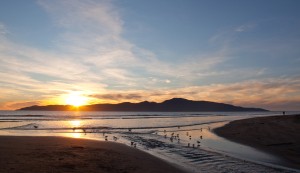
point(172, 105)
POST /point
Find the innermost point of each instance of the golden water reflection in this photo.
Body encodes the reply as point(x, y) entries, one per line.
point(75, 123)
point(76, 132)
point(76, 135)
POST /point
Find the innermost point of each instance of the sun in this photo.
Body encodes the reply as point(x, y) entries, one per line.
point(76, 100)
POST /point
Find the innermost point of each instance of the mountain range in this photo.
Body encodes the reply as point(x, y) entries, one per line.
point(172, 105)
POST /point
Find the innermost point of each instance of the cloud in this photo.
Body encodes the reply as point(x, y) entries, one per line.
point(229, 35)
point(17, 105)
point(244, 28)
point(99, 16)
point(118, 97)
point(3, 30)
point(167, 81)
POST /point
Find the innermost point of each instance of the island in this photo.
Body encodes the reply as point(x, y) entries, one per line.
point(172, 105)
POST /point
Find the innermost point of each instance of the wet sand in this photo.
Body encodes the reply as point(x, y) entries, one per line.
point(58, 154)
point(277, 135)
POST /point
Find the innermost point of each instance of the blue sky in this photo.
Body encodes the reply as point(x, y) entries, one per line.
point(238, 52)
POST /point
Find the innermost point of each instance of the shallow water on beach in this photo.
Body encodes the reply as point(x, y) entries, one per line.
point(185, 139)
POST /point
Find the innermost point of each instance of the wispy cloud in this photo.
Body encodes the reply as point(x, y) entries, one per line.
point(228, 35)
point(245, 27)
point(3, 30)
point(14, 105)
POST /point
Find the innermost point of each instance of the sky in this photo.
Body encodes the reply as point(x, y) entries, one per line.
point(242, 52)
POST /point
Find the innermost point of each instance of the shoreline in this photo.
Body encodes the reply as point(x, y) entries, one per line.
point(276, 135)
point(62, 154)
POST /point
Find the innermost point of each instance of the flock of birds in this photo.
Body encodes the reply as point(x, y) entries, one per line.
point(173, 137)
point(177, 138)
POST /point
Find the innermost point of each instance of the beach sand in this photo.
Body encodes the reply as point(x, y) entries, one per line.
point(58, 154)
point(277, 135)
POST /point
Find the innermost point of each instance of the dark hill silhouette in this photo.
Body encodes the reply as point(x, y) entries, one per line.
point(172, 105)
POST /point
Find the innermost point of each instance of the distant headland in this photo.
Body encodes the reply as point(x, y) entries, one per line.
point(172, 105)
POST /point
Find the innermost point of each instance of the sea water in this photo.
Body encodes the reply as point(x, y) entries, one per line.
point(183, 138)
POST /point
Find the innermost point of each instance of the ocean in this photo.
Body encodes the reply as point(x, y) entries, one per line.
point(183, 138)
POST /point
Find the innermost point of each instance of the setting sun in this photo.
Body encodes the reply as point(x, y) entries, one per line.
point(76, 100)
